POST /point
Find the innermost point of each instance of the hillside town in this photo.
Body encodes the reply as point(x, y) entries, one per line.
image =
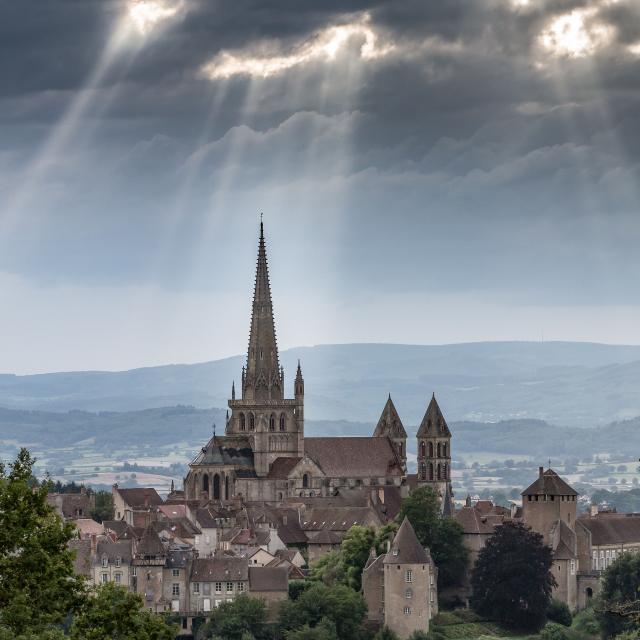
point(262, 504)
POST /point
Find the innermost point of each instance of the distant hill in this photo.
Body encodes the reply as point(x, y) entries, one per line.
point(191, 428)
point(573, 384)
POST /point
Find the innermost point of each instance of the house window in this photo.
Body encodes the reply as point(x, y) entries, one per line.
point(252, 422)
point(395, 552)
point(175, 572)
point(408, 594)
point(105, 578)
point(407, 611)
point(432, 597)
point(240, 587)
point(175, 606)
point(118, 577)
point(118, 561)
point(573, 567)
point(105, 561)
point(134, 571)
point(175, 589)
point(243, 422)
point(206, 604)
point(408, 576)
point(595, 561)
point(229, 587)
point(218, 587)
point(196, 587)
point(206, 588)
point(305, 481)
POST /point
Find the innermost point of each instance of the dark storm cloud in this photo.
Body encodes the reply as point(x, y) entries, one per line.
point(464, 138)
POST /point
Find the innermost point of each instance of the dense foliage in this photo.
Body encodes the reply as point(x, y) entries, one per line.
point(511, 581)
point(443, 536)
point(38, 587)
point(558, 611)
point(619, 609)
point(241, 619)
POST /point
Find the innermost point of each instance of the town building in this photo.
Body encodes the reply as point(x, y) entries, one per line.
point(400, 586)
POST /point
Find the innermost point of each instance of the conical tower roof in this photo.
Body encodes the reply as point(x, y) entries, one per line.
point(433, 424)
point(406, 548)
point(263, 376)
point(150, 543)
point(389, 423)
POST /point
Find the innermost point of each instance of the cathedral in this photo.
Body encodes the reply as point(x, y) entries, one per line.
point(264, 455)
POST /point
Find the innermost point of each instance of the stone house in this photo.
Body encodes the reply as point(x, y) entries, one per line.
point(175, 578)
point(270, 584)
point(148, 571)
point(400, 586)
point(216, 580)
point(137, 506)
point(112, 562)
point(71, 506)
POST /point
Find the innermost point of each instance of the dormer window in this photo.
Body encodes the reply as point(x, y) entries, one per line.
point(118, 561)
point(105, 561)
point(395, 552)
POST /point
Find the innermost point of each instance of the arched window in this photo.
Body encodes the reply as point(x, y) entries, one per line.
point(423, 449)
point(252, 422)
point(226, 487)
point(431, 471)
point(205, 482)
point(439, 449)
point(431, 449)
point(283, 422)
point(216, 487)
point(400, 449)
point(423, 471)
point(438, 473)
point(243, 422)
point(444, 471)
point(305, 481)
point(444, 450)
point(272, 422)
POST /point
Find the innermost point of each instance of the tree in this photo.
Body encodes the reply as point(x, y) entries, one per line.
point(113, 613)
point(558, 611)
point(340, 604)
point(104, 506)
point(355, 549)
point(238, 619)
point(385, 535)
point(619, 611)
point(512, 581)
point(385, 634)
point(329, 569)
point(443, 536)
point(39, 587)
point(325, 630)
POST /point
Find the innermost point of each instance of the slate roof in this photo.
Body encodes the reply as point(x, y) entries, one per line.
point(282, 467)
point(389, 422)
point(354, 457)
point(219, 568)
point(206, 518)
point(268, 579)
point(563, 541)
point(119, 549)
point(613, 529)
point(337, 518)
point(140, 497)
point(551, 484)
point(326, 536)
point(88, 526)
point(433, 424)
point(178, 558)
point(226, 450)
point(474, 521)
point(180, 527)
point(406, 548)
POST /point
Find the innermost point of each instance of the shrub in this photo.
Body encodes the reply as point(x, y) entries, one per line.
point(559, 612)
point(554, 631)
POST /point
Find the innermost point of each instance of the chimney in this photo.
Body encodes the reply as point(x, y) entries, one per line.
point(94, 543)
point(540, 471)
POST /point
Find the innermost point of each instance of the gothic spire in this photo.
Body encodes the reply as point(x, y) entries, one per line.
point(433, 424)
point(262, 378)
point(390, 423)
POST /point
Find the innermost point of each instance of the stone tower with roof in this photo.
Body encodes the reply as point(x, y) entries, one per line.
point(549, 506)
point(273, 424)
point(434, 452)
point(400, 586)
point(390, 426)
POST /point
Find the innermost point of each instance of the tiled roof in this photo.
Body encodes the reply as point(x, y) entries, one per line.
point(473, 521)
point(150, 544)
point(268, 579)
point(82, 559)
point(433, 424)
point(354, 457)
point(282, 467)
point(563, 541)
point(337, 518)
point(87, 526)
point(178, 558)
point(226, 450)
point(219, 568)
point(551, 484)
point(326, 536)
point(389, 422)
point(406, 548)
point(180, 527)
point(140, 497)
point(206, 518)
point(119, 549)
point(173, 510)
point(611, 529)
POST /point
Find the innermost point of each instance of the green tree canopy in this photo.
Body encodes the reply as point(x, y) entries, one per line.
point(325, 630)
point(113, 613)
point(512, 581)
point(619, 609)
point(38, 587)
point(443, 536)
point(238, 619)
point(338, 603)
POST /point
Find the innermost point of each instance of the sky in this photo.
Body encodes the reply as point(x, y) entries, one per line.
point(429, 172)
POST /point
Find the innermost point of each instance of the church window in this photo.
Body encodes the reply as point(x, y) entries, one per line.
point(243, 422)
point(272, 422)
point(431, 471)
point(444, 471)
point(305, 480)
point(444, 450)
point(438, 472)
point(205, 482)
point(439, 449)
point(431, 449)
point(261, 354)
point(423, 471)
point(400, 449)
point(283, 422)
point(423, 449)
point(252, 422)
